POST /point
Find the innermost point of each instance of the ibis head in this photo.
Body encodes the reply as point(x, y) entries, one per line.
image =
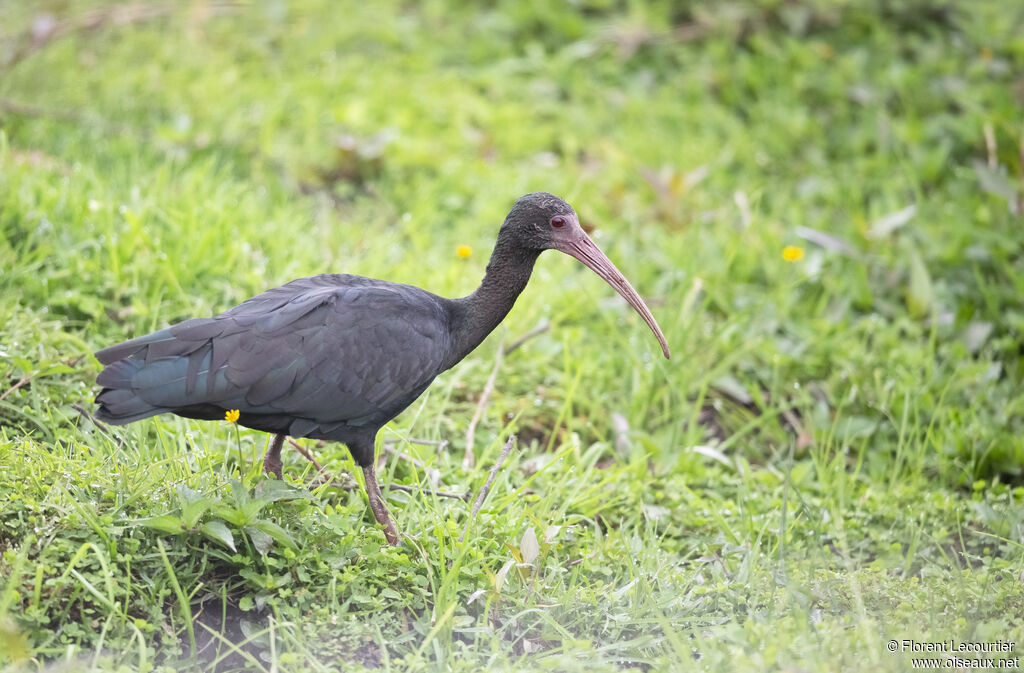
point(542, 221)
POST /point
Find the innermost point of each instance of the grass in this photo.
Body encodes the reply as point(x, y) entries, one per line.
point(830, 461)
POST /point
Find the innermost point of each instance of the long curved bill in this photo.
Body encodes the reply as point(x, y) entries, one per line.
point(587, 252)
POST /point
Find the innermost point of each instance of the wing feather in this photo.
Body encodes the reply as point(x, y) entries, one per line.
point(325, 350)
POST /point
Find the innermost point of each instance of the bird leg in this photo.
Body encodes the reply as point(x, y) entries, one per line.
point(272, 461)
point(380, 510)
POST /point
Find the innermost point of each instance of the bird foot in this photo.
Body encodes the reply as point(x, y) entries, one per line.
point(272, 466)
point(274, 470)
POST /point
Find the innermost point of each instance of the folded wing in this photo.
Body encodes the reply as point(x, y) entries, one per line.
point(316, 352)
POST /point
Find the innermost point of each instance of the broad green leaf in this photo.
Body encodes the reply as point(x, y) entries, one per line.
point(263, 542)
point(279, 534)
point(853, 427)
point(193, 505)
point(265, 581)
point(24, 364)
point(168, 523)
point(239, 493)
point(232, 515)
point(272, 490)
point(919, 292)
point(217, 531)
point(251, 509)
point(187, 495)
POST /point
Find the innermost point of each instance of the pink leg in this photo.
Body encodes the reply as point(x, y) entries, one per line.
point(272, 461)
point(380, 510)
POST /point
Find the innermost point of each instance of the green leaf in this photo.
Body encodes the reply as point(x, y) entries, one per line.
point(23, 364)
point(239, 493)
point(193, 505)
point(251, 509)
point(263, 542)
point(232, 515)
point(853, 427)
point(919, 292)
point(51, 369)
point(217, 531)
point(187, 495)
point(272, 490)
point(265, 581)
point(167, 523)
point(279, 534)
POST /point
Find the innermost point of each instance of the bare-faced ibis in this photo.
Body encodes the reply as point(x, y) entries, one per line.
point(335, 356)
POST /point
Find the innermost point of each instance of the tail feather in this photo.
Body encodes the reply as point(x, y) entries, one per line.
point(119, 404)
point(119, 374)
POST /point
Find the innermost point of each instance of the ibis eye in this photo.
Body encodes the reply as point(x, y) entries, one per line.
point(558, 221)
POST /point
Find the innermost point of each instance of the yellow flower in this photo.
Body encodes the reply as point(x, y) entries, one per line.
point(792, 253)
point(232, 415)
point(463, 251)
point(986, 54)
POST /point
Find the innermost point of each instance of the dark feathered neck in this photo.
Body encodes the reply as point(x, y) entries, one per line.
point(476, 316)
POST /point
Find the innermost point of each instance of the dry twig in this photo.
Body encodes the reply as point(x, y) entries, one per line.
point(326, 477)
point(487, 485)
point(24, 380)
point(544, 326)
point(308, 456)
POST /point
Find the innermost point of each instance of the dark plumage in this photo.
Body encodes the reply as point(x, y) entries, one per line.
point(336, 356)
point(321, 357)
